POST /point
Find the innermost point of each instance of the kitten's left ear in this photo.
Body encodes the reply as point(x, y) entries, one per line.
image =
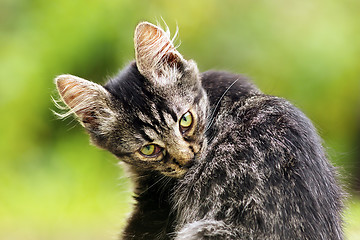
point(154, 51)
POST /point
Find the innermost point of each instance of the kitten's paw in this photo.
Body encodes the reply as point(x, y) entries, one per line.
point(206, 229)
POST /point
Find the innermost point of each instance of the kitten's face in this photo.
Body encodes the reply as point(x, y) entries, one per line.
point(153, 114)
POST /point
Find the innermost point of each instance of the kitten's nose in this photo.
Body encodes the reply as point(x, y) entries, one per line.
point(183, 157)
point(190, 163)
point(181, 153)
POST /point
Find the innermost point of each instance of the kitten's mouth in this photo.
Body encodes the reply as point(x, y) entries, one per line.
point(175, 173)
point(178, 170)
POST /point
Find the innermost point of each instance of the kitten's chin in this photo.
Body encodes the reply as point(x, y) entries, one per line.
point(176, 174)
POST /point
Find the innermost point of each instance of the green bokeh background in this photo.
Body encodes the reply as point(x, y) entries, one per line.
point(53, 185)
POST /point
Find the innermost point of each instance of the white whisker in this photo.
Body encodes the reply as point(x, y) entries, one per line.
point(160, 179)
point(212, 116)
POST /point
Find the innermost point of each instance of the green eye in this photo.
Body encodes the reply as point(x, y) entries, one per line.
point(150, 150)
point(186, 121)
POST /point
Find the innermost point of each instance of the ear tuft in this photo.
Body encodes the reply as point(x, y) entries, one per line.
point(72, 89)
point(154, 50)
point(149, 37)
point(88, 100)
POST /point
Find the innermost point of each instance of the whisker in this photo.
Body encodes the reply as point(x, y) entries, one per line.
point(212, 116)
point(164, 186)
point(160, 179)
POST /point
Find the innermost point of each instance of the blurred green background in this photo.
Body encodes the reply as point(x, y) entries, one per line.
point(53, 185)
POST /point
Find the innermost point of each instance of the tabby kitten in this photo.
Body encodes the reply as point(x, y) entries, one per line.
point(212, 157)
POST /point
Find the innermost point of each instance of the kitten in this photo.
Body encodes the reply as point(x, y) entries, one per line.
point(212, 157)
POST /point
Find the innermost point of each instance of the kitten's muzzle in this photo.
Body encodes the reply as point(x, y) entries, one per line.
point(188, 163)
point(184, 158)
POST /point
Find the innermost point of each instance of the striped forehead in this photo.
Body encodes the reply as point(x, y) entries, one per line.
point(150, 109)
point(154, 122)
point(157, 115)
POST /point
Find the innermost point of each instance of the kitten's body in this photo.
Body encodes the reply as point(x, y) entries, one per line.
point(250, 166)
point(258, 180)
point(264, 175)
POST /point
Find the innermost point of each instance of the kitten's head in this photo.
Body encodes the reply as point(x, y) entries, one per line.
point(153, 114)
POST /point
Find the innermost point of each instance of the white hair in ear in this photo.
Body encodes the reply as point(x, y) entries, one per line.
point(155, 52)
point(87, 100)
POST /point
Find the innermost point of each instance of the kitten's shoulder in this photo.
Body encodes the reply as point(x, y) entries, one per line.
point(216, 83)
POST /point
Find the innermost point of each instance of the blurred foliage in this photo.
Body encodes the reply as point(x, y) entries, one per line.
point(53, 185)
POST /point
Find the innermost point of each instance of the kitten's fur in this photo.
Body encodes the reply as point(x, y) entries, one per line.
point(251, 166)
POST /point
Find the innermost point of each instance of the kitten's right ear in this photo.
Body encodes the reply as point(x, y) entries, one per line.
point(87, 100)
